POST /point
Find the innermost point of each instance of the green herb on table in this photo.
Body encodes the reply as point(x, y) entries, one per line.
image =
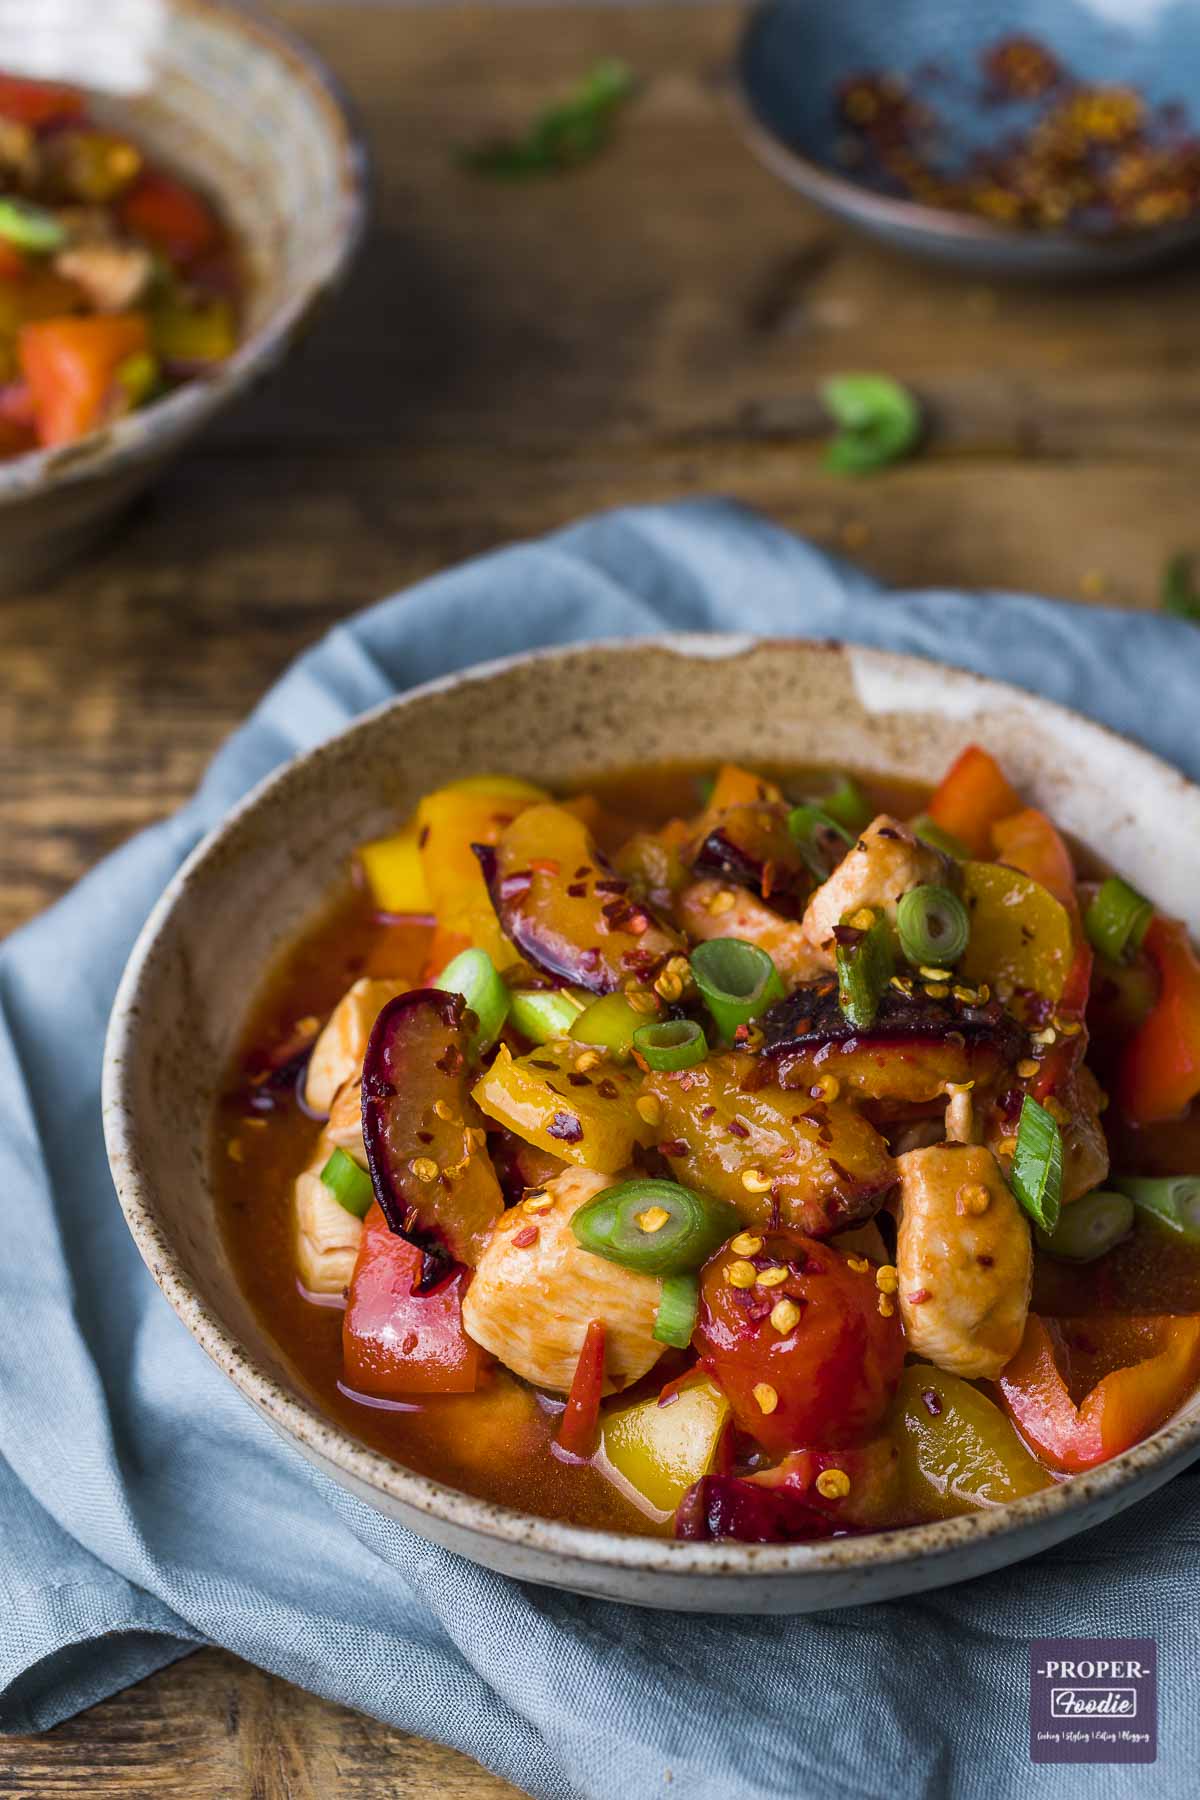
point(1179, 592)
point(878, 422)
point(564, 135)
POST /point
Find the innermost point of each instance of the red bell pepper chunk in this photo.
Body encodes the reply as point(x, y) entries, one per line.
point(973, 795)
point(396, 1342)
point(37, 102)
point(1123, 1408)
point(1026, 840)
point(580, 1426)
point(1159, 1074)
point(70, 365)
point(171, 216)
point(13, 264)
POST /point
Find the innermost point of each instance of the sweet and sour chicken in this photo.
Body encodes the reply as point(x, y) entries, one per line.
point(751, 1147)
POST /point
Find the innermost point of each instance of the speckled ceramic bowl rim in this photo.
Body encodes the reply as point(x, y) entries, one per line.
point(843, 195)
point(145, 435)
point(1162, 1454)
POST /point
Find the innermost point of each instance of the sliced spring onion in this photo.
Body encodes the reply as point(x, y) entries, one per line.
point(30, 227)
point(1116, 920)
point(675, 1320)
point(609, 1024)
point(657, 1227)
point(472, 973)
point(1037, 1171)
point(1174, 1200)
point(736, 980)
point(931, 833)
point(878, 422)
point(349, 1185)
point(864, 968)
point(1089, 1227)
point(543, 1014)
point(847, 806)
point(933, 925)
point(816, 834)
point(672, 1044)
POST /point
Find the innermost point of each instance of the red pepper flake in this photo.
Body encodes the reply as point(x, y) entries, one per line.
point(607, 1089)
point(422, 837)
point(673, 1147)
point(566, 1127)
point(526, 1238)
point(611, 884)
point(919, 1296)
point(545, 865)
point(514, 885)
point(580, 1426)
point(577, 889)
point(638, 923)
point(583, 870)
point(706, 1112)
point(578, 1080)
point(737, 1129)
point(933, 1405)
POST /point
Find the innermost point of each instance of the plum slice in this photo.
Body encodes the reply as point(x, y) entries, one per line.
point(565, 910)
point(916, 1044)
point(424, 1135)
point(752, 847)
point(779, 1157)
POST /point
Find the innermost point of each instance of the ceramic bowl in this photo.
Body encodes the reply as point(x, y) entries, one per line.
point(562, 717)
point(254, 117)
point(795, 53)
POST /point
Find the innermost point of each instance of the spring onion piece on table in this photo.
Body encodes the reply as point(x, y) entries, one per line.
point(847, 805)
point(737, 981)
point(675, 1320)
point(930, 832)
point(472, 973)
point(673, 1044)
point(29, 227)
point(1174, 1200)
point(812, 828)
point(543, 1014)
point(656, 1227)
point(1116, 920)
point(865, 964)
point(1089, 1227)
point(609, 1024)
point(933, 926)
point(349, 1185)
point(1037, 1171)
point(878, 422)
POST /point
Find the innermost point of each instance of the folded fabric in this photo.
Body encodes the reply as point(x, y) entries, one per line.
point(144, 1508)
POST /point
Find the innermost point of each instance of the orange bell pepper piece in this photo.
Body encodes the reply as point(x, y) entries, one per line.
point(579, 1431)
point(37, 103)
point(396, 1342)
point(1159, 1074)
point(1026, 840)
point(974, 794)
point(70, 365)
point(171, 216)
point(1122, 1409)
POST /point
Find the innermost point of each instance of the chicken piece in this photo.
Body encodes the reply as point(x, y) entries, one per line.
point(338, 1053)
point(343, 1127)
point(712, 908)
point(327, 1236)
point(113, 276)
point(884, 864)
point(530, 1302)
point(964, 1260)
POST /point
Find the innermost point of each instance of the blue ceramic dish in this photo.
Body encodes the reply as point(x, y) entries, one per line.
point(794, 54)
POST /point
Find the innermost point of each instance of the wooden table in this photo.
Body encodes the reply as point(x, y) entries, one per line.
point(505, 359)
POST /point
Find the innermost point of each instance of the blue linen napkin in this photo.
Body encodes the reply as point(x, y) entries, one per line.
point(144, 1508)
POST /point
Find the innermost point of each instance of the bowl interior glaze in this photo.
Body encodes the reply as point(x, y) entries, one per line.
point(562, 717)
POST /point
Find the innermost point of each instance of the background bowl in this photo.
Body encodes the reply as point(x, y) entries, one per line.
point(256, 882)
point(795, 53)
point(254, 118)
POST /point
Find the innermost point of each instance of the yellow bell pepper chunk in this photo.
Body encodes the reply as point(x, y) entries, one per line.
point(395, 873)
point(448, 822)
point(958, 1452)
point(1021, 936)
point(592, 1120)
point(657, 1452)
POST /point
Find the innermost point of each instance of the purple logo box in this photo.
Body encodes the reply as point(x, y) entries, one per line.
point(1093, 1700)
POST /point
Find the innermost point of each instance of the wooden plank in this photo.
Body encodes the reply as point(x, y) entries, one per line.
point(213, 1728)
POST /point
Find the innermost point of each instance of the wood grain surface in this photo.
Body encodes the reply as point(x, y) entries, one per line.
point(505, 359)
